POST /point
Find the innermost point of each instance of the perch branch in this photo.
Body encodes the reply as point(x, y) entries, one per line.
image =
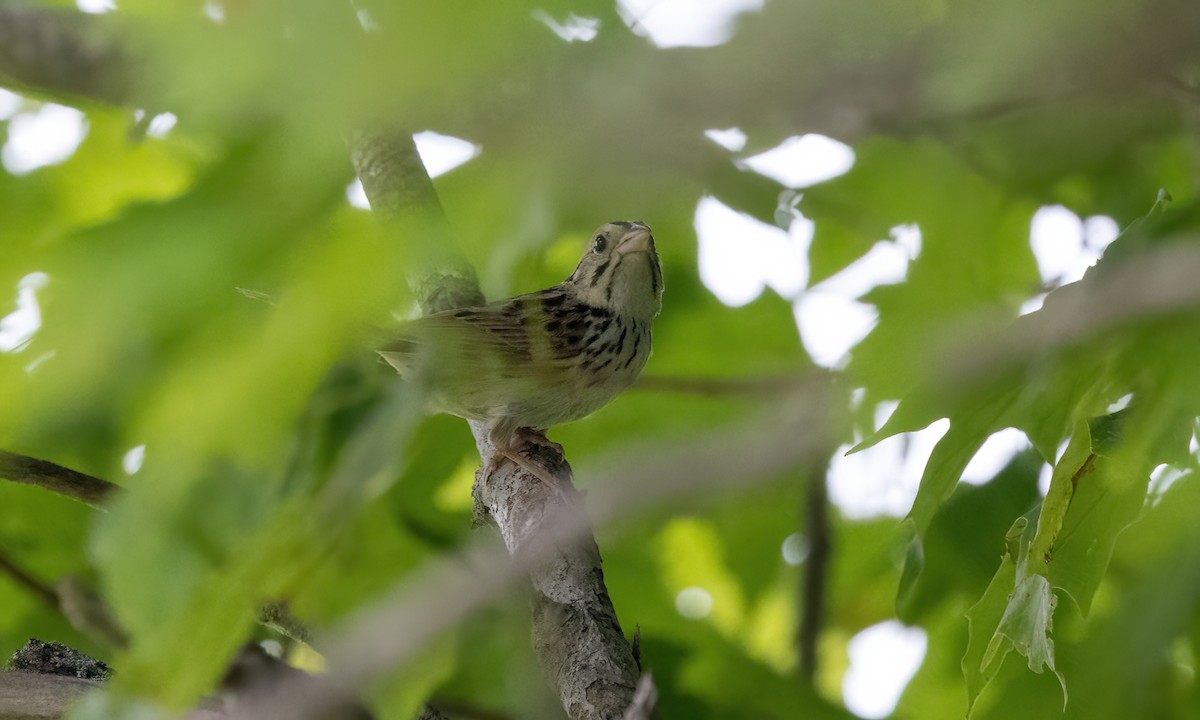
point(801, 428)
point(576, 634)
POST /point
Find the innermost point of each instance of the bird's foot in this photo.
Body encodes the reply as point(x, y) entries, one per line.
point(532, 451)
point(537, 438)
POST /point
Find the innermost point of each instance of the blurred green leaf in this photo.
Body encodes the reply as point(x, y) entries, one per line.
point(212, 296)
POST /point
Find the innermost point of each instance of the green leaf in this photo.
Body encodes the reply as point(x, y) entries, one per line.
point(959, 548)
point(1015, 613)
point(968, 431)
point(1025, 627)
point(1104, 504)
point(984, 617)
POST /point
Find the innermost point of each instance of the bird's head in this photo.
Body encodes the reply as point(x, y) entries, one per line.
point(620, 271)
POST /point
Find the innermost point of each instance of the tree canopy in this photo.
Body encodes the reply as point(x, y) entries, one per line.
point(195, 305)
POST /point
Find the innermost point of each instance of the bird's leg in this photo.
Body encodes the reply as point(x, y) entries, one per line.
point(509, 444)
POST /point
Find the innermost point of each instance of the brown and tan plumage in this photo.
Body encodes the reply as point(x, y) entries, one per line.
point(548, 357)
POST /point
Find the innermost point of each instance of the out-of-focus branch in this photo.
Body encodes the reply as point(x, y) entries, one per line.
point(62, 52)
point(83, 609)
point(26, 695)
point(79, 604)
point(56, 478)
point(40, 590)
point(400, 191)
point(720, 386)
point(576, 634)
point(813, 582)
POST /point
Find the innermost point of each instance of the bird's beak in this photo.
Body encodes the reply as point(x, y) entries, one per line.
point(636, 239)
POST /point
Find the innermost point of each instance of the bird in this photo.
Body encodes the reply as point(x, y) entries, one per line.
point(529, 362)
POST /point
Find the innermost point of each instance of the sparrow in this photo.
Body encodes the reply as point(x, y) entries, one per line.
point(532, 361)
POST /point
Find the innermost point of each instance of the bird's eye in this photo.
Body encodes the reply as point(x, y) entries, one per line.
point(601, 242)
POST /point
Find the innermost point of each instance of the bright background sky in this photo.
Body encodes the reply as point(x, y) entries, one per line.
point(739, 259)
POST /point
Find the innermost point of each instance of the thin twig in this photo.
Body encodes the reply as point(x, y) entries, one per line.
point(721, 387)
point(28, 582)
point(56, 478)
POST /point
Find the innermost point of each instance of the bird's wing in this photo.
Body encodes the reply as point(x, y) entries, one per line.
point(477, 340)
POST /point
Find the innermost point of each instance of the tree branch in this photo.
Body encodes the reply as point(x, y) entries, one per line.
point(815, 572)
point(62, 52)
point(799, 429)
point(576, 633)
point(33, 696)
point(40, 590)
point(769, 385)
point(56, 478)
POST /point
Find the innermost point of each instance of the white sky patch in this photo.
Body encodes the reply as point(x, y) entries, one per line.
point(732, 139)
point(831, 325)
point(883, 479)
point(96, 7)
point(1047, 471)
point(43, 137)
point(1161, 480)
point(883, 658)
point(214, 11)
point(886, 263)
point(132, 461)
point(675, 23)
point(740, 256)
point(575, 28)
point(831, 318)
point(1099, 231)
point(694, 603)
point(161, 124)
point(18, 327)
point(10, 103)
point(1044, 476)
point(907, 237)
point(357, 196)
point(442, 153)
point(883, 410)
point(794, 549)
point(1066, 246)
point(804, 160)
point(1033, 304)
point(997, 451)
point(1056, 236)
point(1120, 403)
